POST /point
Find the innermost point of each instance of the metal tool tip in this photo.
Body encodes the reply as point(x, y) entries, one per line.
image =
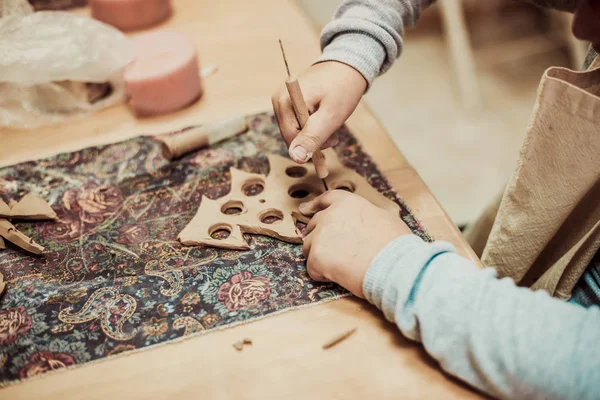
point(287, 67)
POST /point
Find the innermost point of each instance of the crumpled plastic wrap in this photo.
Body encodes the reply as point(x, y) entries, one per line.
point(57, 65)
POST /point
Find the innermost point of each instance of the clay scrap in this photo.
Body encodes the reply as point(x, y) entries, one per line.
point(4, 209)
point(239, 345)
point(268, 205)
point(30, 207)
point(10, 233)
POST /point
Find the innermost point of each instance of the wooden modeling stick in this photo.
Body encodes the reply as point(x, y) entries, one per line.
point(176, 145)
point(301, 111)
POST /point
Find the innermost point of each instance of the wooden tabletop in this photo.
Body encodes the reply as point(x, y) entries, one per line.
point(286, 359)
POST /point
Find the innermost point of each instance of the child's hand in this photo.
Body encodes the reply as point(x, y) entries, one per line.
point(344, 235)
point(332, 91)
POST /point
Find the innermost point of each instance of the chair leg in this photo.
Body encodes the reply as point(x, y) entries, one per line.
point(461, 53)
point(577, 48)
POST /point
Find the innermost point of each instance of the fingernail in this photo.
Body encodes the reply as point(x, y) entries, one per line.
point(299, 154)
point(304, 207)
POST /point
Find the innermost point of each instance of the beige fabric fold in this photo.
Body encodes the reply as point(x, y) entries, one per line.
point(547, 227)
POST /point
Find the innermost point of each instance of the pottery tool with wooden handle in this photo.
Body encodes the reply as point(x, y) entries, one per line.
point(301, 111)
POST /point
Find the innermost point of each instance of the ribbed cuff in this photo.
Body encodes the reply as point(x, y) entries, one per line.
point(358, 50)
point(391, 277)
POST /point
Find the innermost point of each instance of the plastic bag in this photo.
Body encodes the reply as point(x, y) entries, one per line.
point(57, 65)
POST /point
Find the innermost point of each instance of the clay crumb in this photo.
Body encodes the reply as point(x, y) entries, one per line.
point(239, 345)
point(339, 338)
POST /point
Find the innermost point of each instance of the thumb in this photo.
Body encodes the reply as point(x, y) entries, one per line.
point(319, 127)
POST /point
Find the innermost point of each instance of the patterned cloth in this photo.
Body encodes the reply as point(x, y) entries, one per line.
point(586, 292)
point(114, 278)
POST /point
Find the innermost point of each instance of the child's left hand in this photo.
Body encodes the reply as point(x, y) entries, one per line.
point(344, 235)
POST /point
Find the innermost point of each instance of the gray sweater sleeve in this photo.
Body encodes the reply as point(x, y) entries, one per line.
point(367, 34)
point(508, 341)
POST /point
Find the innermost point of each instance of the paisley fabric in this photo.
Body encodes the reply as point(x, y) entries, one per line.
point(114, 278)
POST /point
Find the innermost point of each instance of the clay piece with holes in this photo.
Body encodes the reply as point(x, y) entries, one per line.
point(268, 205)
point(10, 233)
point(2, 284)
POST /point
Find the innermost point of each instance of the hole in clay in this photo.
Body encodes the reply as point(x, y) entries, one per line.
point(301, 226)
point(220, 231)
point(296, 172)
point(345, 185)
point(270, 216)
point(253, 187)
point(299, 191)
point(261, 200)
point(233, 207)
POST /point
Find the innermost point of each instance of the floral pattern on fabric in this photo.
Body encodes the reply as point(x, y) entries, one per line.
point(114, 278)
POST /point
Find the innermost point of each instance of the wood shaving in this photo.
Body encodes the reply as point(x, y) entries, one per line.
point(339, 338)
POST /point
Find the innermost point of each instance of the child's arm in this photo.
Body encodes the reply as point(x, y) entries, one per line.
point(367, 34)
point(507, 341)
point(361, 42)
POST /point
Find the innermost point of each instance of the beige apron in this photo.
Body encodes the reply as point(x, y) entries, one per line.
point(546, 225)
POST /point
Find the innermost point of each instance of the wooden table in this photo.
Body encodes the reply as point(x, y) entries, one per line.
point(286, 359)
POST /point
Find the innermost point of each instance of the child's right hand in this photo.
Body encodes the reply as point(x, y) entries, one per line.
point(332, 91)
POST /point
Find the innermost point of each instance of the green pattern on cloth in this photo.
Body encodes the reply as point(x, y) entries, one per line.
point(114, 278)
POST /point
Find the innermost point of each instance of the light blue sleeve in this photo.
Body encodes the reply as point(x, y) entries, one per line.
point(507, 341)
